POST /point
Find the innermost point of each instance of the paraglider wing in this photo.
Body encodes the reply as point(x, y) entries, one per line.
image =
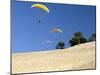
point(57, 30)
point(41, 6)
point(46, 42)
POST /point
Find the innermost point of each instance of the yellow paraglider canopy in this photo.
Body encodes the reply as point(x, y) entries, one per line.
point(41, 6)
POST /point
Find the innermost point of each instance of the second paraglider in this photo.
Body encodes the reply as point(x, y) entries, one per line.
point(57, 30)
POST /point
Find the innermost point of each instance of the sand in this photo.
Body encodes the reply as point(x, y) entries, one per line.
point(78, 57)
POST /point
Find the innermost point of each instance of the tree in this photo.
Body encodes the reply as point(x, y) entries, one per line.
point(93, 37)
point(77, 38)
point(60, 45)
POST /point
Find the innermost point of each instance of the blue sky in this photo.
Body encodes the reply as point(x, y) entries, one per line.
point(28, 35)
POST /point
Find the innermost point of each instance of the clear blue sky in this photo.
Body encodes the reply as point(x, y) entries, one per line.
point(28, 35)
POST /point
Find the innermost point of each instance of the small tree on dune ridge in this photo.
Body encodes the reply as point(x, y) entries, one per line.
point(60, 45)
point(77, 38)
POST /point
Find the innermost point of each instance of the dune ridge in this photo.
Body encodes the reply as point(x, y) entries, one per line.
point(77, 57)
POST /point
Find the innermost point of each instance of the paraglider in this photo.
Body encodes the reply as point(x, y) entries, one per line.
point(46, 42)
point(57, 30)
point(41, 6)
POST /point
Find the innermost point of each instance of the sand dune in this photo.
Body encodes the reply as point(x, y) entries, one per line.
point(78, 57)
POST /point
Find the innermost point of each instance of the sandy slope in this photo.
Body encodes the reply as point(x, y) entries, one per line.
point(78, 57)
